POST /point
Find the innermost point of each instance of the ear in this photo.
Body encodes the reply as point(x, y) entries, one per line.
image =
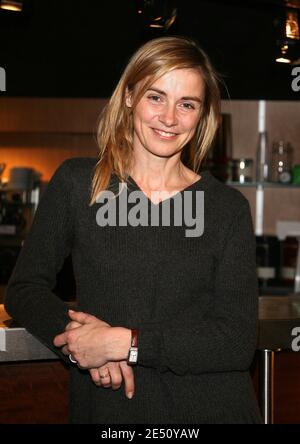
point(128, 98)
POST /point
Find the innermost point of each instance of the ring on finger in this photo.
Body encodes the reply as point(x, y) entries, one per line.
point(72, 359)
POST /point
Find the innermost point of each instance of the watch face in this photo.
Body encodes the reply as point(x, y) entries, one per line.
point(133, 356)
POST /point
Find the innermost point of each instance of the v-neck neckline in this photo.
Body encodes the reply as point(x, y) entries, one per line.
point(198, 182)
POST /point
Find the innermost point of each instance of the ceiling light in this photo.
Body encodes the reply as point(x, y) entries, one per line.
point(283, 60)
point(292, 25)
point(282, 56)
point(157, 13)
point(12, 5)
point(288, 48)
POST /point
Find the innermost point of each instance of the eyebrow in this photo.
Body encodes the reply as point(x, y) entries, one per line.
point(159, 91)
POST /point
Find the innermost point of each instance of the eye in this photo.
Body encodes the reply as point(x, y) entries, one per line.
point(187, 106)
point(154, 98)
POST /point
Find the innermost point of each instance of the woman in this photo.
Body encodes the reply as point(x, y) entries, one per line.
point(188, 298)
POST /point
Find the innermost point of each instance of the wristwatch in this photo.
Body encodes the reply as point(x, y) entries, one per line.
point(133, 351)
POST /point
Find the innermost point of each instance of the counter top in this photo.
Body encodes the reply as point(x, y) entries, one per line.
point(278, 315)
point(16, 344)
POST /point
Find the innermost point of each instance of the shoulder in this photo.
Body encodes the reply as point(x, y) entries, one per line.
point(226, 200)
point(74, 176)
point(77, 166)
point(76, 172)
point(227, 213)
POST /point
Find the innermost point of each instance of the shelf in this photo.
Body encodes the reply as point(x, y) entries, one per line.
point(263, 184)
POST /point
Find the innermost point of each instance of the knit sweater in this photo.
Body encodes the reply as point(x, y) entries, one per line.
point(194, 300)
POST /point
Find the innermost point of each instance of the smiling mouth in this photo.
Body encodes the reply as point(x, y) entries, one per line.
point(164, 134)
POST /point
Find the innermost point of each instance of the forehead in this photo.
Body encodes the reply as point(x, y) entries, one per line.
point(186, 82)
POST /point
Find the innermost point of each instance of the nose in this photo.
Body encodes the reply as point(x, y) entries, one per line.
point(168, 115)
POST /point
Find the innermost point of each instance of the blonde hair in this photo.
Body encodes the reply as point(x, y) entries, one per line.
point(115, 130)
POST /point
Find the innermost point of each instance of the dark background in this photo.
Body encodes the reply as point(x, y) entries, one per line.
point(72, 48)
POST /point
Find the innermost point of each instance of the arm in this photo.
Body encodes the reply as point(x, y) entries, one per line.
point(223, 338)
point(29, 298)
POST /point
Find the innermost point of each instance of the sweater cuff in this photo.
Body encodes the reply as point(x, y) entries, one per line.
point(150, 344)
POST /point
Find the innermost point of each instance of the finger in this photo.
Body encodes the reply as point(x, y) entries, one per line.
point(85, 318)
point(115, 375)
point(104, 376)
point(82, 318)
point(71, 325)
point(65, 350)
point(128, 377)
point(60, 340)
point(95, 376)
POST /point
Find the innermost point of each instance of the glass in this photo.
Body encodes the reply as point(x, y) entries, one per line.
point(242, 170)
point(281, 163)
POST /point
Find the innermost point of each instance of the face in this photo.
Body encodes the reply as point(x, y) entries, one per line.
point(166, 117)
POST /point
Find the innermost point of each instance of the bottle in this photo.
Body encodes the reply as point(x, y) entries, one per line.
point(296, 174)
point(262, 158)
point(282, 154)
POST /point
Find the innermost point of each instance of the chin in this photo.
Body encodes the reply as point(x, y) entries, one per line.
point(164, 152)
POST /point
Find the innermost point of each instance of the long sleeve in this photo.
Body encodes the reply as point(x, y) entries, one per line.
point(29, 297)
point(223, 338)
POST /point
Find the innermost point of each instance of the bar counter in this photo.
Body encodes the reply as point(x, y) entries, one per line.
point(278, 316)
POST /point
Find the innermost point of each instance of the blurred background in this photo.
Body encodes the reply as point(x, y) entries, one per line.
point(73, 48)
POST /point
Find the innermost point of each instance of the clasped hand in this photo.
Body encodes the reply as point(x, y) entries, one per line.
point(90, 341)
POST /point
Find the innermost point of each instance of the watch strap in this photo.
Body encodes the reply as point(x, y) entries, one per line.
point(134, 337)
point(133, 350)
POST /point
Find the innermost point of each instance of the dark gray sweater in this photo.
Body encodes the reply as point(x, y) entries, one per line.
point(194, 300)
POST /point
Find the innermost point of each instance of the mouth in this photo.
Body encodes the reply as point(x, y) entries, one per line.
point(165, 134)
